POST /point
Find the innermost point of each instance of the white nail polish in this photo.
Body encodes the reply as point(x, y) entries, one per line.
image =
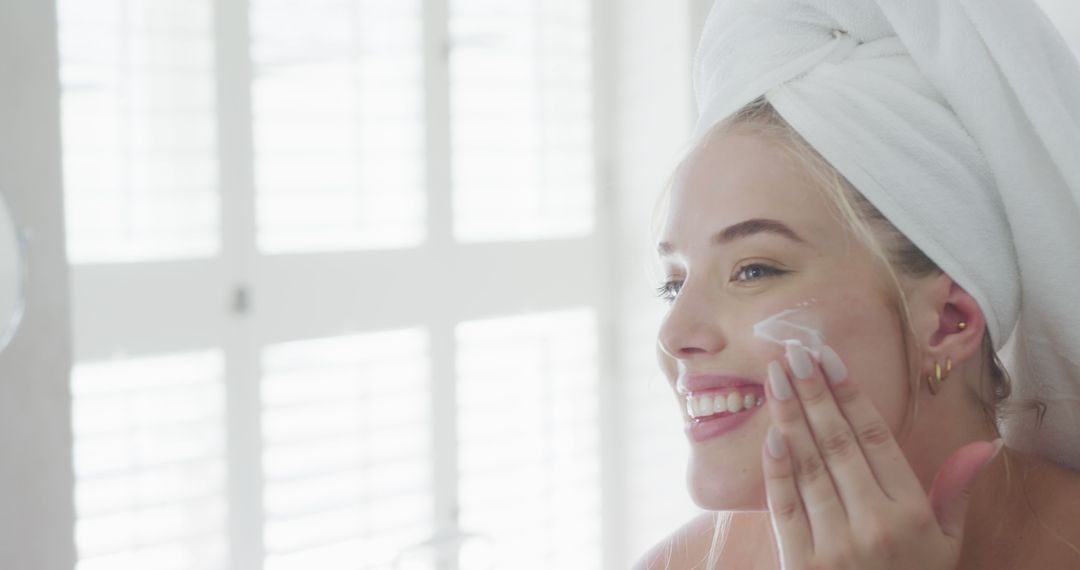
point(799, 359)
point(781, 387)
point(835, 370)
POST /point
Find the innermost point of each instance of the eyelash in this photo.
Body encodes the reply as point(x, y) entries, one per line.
point(668, 289)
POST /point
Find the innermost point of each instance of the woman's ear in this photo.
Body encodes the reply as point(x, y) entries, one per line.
point(948, 321)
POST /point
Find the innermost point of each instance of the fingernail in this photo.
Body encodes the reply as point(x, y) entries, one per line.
point(778, 380)
point(774, 441)
point(799, 360)
point(835, 370)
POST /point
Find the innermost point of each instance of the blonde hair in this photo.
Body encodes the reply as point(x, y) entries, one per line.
point(898, 258)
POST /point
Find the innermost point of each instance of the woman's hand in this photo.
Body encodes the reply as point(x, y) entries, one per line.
point(841, 493)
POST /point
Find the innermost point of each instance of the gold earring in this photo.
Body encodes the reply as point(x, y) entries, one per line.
point(935, 380)
point(961, 325)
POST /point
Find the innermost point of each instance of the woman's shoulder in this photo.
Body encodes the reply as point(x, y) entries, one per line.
point(688, 547)
point(1039, 528)
point(1057, 511)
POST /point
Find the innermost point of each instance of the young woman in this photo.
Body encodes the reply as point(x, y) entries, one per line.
point(845, 256)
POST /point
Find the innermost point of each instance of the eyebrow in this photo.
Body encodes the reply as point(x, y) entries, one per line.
point(741, 230)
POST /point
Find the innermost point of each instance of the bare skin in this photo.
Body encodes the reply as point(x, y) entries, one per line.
point(742, 175)
point(1015, 541)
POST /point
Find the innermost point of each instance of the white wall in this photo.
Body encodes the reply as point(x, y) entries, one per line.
point(36, 511)
point(651, 121)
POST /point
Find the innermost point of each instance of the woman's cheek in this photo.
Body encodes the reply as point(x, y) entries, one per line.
point(866, 335)
point(852, 314)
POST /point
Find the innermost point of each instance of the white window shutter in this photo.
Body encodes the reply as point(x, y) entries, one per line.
point(338, 110)
point(139, 139)
point(150, 462)
point(529, 438)
point(521, 119)
point(346, 466)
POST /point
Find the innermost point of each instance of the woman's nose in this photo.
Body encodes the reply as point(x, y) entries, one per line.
point(691, 327)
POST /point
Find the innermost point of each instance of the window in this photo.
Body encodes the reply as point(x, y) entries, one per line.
point(347, 468)
point(521, 119)
point(150, 462)
point(338, 114)
point(529, 435)
point(139, 120)
point(312, 248)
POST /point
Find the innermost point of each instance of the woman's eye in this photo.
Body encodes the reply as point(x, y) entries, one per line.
point(668, 289)
point(751, 272)
point(756, 271)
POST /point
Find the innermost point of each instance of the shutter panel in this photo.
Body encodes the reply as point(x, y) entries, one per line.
point(149, 455)
point(347, 460)
point(521, 119)
point(139, 120)
point(529, 452)
point(338, 123)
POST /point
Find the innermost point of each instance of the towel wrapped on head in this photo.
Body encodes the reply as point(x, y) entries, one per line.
point(960, 121)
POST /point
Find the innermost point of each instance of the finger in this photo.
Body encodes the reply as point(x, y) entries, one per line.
point(887, 462)
point(786, 511)
point(824, 510)
point(833, 435)
point(951, 491)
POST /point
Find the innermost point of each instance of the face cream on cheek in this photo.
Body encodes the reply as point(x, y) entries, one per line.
point(798, 326)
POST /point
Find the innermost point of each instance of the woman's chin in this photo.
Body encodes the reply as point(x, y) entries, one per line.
point(725, 487)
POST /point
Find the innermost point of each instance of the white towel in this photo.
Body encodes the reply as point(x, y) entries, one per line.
point(960, 121)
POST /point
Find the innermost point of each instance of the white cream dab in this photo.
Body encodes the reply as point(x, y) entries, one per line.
point(793, 326)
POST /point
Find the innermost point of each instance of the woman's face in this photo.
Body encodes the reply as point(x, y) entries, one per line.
point(723, 284)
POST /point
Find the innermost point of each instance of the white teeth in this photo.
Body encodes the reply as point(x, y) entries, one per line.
point(708, 405)
point(734, 402)
point(699, 406)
